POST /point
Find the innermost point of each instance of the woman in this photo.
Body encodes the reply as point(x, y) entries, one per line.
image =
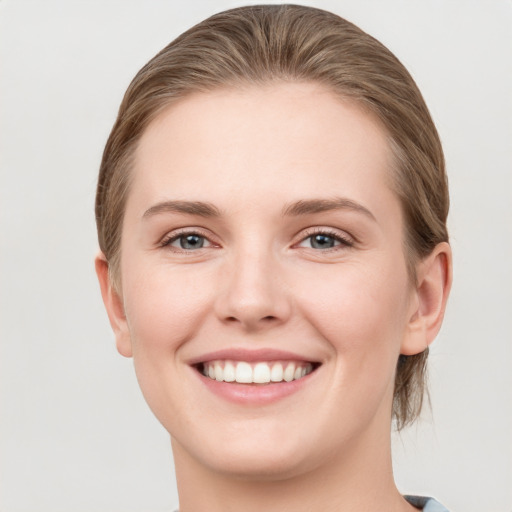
point(271, 211)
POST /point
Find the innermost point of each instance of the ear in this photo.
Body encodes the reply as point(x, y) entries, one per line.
point(114, 306)
point(428, 301)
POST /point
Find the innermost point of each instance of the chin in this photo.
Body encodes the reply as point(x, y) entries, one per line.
point(270, 456)
point(260, 465)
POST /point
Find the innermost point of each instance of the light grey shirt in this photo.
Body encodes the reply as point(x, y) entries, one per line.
point(426, 504)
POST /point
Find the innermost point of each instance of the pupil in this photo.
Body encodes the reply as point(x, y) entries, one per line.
point(191, 242)
point(322, 242)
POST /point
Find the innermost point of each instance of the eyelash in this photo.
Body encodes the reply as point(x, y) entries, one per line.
point(344, 241)
point(174, 236)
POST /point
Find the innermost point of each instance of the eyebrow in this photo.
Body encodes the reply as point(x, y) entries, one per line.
point(309, 206)
point(188, 207)
point(301, 207)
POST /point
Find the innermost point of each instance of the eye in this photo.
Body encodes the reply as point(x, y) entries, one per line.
point(321, 241)
point(186, 241)
point(324, 240)
point(190, 242)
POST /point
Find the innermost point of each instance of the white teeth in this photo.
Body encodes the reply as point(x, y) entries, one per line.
point(219, 373)
point(255, 373)
point(229, 372)
point(243, 373)
point(289, 372)
point(261, 373)
point(276, 375)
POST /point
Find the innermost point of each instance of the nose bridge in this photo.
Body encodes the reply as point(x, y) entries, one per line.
point(253, 295)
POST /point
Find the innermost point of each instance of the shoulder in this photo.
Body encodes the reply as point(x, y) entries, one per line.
point(426, 504)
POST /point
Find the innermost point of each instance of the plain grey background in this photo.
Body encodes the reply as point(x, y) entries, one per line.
point(75, 434)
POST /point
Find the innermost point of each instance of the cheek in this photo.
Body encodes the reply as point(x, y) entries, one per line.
point(362, 317)
point(360, 311)
point(164, 305)
point(165, 309)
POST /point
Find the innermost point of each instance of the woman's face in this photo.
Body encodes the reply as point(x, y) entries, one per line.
point(261, 241)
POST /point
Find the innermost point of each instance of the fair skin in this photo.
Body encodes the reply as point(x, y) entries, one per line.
point(260, 228)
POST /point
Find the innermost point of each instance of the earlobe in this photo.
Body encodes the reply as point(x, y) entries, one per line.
point(114, 306)
point(434, 279)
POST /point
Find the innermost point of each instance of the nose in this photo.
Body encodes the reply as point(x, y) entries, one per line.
point(253, 295)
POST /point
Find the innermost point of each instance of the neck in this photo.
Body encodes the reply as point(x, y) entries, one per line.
point(358, 480)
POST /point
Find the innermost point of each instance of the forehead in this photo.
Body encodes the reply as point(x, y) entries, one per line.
point(286, 139)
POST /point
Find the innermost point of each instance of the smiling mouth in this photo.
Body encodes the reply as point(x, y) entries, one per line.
point(243, 372)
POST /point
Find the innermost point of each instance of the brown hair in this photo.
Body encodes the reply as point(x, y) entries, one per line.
point(264, 43)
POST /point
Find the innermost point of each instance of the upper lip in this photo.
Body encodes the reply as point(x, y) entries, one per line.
point(243, 354)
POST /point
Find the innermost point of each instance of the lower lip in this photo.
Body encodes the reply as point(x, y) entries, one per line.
point(254, 394)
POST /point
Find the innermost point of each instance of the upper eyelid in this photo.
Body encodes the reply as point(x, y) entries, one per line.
point(299, 237)
point(173, 235)
point(330, 231)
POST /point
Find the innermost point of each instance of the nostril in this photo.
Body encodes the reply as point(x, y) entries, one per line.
point(267, 318)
